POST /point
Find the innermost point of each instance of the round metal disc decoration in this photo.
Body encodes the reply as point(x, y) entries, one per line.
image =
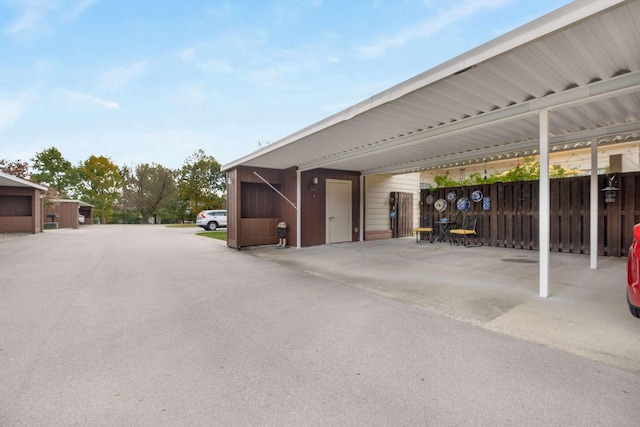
point(463, 204)
point(476, 196)
point(440, 205)
point(451, 196)
point(429, 199)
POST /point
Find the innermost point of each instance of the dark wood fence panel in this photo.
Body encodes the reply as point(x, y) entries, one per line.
point(512, 219)
point(402, 204)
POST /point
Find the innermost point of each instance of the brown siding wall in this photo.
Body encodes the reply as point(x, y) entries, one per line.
point(314, 204)
point(28, 223)
point(233, 213)
point(67, 211)
point(254, 209)
point(512, 221)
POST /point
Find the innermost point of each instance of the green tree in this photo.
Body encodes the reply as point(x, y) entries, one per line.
point(100, 184)
point(201, 184)
point(446, 181)
point(54, 170)
point(16, 168)
point(148, 189)
point(528, 170)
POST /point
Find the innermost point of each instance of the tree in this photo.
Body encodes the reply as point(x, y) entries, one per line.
point(201, 184)
point(149, 188)
point(54, 170)
point(100, 184)
point(529, 170)
point(16, 168)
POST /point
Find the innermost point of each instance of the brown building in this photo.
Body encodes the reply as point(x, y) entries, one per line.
point(20, 205)
point(70, 213)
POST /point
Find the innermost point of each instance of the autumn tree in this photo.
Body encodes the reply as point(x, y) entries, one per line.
point(201, 184)
point(100, 183)
point(54, 170)
point(16, 168)
point(149, 188)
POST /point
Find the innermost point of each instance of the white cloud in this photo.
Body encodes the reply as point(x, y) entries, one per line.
point(79, 8)
point(35, 17)
point(120, 76)
point(187, 55)
point(31, 17)
point(190, 96)
point(82, 98)
point(12, 109)
point(444, 18)
point(215, 66)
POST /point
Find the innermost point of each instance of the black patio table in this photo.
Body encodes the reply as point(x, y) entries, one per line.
point(444, 226)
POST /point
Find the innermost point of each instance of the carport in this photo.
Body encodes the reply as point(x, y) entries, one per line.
point(571, 77)
point(20, 205)
point(69, 212)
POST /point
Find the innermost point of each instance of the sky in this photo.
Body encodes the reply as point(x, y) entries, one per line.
point(152, 81)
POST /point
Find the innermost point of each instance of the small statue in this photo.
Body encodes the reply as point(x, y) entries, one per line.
point(282, 242)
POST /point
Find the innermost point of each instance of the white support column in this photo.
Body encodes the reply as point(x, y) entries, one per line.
point(362, 193)
point(299, 209)
point(543, 211)
point(593, 250)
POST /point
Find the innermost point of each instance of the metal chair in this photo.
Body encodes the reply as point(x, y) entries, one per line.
point(426, 227)
point(468, 228)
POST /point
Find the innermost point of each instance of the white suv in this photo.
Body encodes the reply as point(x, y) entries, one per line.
point(211, 220)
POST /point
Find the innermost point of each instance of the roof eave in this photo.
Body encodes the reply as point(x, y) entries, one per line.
point(21, 182)
point(543, 26)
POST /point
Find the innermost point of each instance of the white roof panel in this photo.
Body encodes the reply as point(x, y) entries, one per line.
point(581, 62)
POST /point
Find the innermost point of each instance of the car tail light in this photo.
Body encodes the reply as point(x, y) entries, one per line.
point(201, 214)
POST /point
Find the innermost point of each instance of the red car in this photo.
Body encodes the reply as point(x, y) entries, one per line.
point(633, 273)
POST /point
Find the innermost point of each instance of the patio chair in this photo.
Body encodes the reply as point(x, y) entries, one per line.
point(426, 227)
point(468, 228)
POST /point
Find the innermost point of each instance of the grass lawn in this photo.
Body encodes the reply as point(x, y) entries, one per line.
point(218, 234)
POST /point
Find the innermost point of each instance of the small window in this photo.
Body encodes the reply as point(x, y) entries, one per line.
point(15, 206)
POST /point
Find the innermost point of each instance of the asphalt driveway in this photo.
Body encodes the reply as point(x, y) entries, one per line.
point(148, 325)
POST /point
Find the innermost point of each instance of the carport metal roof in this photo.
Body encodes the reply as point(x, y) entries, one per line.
point(581, 63)
point(571, 77)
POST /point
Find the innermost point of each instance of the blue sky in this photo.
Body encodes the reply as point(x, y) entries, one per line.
point(152, 81)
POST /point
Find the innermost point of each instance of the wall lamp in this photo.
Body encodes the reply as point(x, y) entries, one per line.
point(312, 185)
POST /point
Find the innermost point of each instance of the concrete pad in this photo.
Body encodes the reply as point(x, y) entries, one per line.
point(494, 288)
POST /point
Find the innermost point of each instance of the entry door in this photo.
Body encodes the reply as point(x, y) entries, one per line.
point(338, 211)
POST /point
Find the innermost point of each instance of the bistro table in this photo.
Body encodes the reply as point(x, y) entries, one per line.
point(444, 226)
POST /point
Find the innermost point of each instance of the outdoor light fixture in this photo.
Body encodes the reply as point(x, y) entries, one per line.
point(312, 184)
point(610, 191)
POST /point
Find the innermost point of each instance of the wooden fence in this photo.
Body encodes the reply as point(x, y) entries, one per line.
point(511, 220)
point(402, 219)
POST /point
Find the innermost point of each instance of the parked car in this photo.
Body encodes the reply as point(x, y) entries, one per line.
point(633, 273)
point(212, 219)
